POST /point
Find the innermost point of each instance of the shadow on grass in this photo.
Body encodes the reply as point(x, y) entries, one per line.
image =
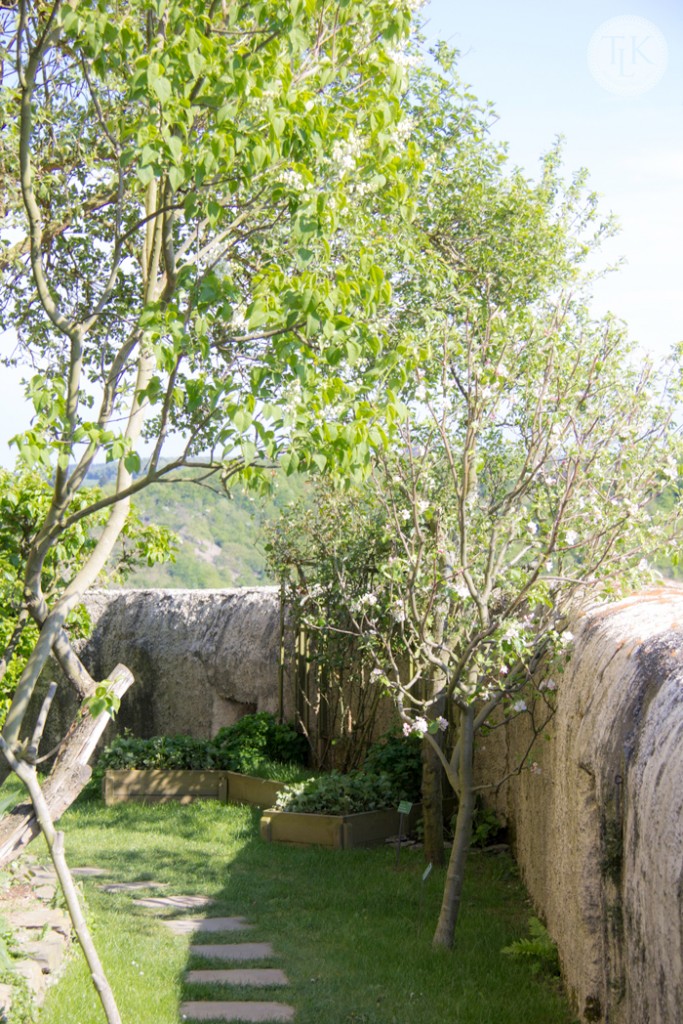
point(351, 932)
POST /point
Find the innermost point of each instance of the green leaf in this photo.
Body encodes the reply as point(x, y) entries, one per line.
point(176, 147)
point(132, 462)
point(176, 176)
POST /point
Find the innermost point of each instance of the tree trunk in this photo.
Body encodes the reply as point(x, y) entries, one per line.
point(69, 775)
point(432, 805)
point(450, 906)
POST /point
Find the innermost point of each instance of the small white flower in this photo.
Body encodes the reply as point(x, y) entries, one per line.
point(397, 612)
point(442, 723)
point(532, 528)
point(504, 670)
point(566, 636)
point(518, 706)
point(571, 537)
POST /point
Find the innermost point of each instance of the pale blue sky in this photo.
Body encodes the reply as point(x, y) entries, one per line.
point(531, 60)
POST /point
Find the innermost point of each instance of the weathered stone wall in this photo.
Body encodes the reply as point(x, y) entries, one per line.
point(201, 658)
point(598, 830)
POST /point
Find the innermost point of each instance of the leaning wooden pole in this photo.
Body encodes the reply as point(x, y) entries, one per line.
point(69, 775)
point(55, 842)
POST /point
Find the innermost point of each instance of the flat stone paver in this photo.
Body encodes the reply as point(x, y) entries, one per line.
point(89, 872)
point(239, 976)
point(185, 926)
point(173, 902)
point(235, 951)
point(132, 886)
point(236, 1011)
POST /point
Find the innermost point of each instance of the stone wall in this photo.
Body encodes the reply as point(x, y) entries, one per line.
point(201, 658)
point(598, 827)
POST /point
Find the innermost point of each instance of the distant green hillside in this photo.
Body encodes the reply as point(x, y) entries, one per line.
point(220, 536)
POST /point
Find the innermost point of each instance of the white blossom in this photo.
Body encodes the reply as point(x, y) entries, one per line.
point(397, 612)
point(419, 726)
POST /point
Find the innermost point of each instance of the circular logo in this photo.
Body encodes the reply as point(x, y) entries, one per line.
point(627, 55)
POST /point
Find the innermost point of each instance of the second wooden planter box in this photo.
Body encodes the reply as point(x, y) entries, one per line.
point(337, 831)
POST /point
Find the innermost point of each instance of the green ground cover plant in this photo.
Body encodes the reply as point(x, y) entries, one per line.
point(391, 772)
point(352, 932)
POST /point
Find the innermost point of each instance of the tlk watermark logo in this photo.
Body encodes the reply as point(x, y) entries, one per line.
point(627, 55)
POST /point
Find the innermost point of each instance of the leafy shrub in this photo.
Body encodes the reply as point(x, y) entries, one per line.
point(286, 744)
point(539, 950)
point(335, 793)
point(486, 826)
point(251, 742)
point(256, 738)
point(400, 758)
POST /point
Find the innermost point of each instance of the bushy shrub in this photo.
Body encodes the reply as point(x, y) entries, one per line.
point(400, 758)
point(242, 747)
point(256, 738)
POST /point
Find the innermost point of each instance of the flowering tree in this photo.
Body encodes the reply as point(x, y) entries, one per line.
point(531, 451)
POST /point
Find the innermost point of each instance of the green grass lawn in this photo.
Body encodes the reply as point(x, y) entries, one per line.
point(351, 931)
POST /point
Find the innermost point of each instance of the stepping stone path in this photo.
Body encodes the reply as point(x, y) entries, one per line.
point(236, 952)
point(45, 954)
point(42, 933)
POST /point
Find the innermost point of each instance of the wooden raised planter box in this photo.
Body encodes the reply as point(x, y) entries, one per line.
point(339, 832)
point(159, 786)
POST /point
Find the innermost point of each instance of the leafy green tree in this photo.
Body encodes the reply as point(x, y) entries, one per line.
point(182, 173)
point(192, 191)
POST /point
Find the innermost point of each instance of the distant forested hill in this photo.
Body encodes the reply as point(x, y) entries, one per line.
point(220, 537)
